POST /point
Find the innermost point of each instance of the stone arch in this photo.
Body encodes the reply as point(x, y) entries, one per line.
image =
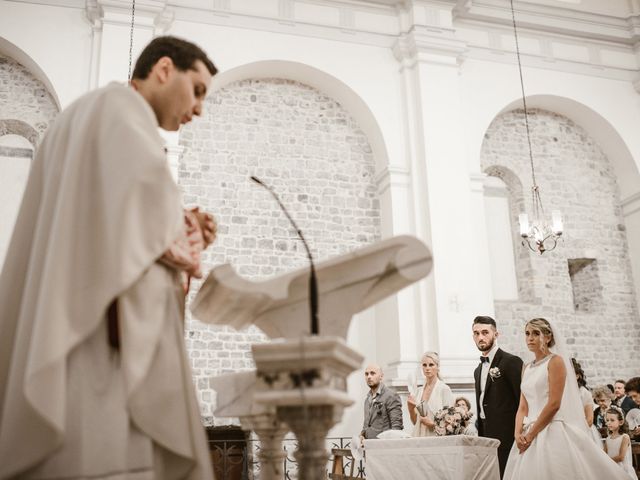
point(321, 81)
point(18, 127)
point(27, 99)
point(517, 204)
point(598, 127)
point(314, 153)
point(11, 50)
point(577, 177)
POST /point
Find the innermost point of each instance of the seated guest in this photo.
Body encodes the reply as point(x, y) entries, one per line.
point(622, 400)
point(632, 389)
point(431, 397)
point(602, 396)
point(470, 427)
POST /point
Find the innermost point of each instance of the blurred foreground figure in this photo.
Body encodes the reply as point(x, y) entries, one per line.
point(94, 377)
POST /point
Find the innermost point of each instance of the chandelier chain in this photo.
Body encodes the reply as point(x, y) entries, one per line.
point(133, 16)
point(524, 99)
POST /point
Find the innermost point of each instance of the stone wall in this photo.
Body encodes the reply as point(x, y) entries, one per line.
point(575, 177)
point(311, 152)
point(24, 102)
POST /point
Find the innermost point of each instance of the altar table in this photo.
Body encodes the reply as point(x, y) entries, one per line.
point(455, 457)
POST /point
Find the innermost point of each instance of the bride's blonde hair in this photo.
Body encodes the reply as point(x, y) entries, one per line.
point(543, 326)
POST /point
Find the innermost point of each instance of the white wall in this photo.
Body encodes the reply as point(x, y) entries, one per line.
point(13, 180)
point(498, 218)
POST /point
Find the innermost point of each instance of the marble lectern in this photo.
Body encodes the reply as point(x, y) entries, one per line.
point(300, 380)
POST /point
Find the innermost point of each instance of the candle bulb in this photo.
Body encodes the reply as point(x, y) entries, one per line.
point(556, 219)
point(523, 220)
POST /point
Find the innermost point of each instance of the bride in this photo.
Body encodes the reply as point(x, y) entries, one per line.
point(551, 436)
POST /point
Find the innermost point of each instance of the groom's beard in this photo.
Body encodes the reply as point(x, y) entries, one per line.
point(487, 347)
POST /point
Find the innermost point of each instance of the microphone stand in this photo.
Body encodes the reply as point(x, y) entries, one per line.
point(313, 282)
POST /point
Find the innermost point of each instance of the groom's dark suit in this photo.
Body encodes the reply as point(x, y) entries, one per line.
point(500, 402)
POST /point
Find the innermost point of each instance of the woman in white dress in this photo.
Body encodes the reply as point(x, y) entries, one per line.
point(431, 397)
point(552, 440)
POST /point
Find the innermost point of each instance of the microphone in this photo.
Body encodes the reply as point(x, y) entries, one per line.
point(313, 282)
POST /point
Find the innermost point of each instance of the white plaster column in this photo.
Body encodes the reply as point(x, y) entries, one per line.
point(111, 35)
point(447, 200)
point(174, 151)
point(631, 214)
point(398, 317)
point(481, 239)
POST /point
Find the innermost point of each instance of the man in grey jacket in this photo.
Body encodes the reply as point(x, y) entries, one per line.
point(382, 407)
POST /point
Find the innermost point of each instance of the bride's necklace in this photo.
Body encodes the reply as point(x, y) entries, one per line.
point(538, 362)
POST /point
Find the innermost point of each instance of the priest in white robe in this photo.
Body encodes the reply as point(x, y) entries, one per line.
point(100, 210)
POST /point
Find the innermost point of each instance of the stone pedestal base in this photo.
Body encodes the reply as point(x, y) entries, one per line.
point(311, 424)
point(270, 431)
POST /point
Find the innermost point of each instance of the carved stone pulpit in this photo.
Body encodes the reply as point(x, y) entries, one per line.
point(306, 380)
point(300, 380)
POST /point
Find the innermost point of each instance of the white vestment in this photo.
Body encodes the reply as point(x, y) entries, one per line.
point(99, 209)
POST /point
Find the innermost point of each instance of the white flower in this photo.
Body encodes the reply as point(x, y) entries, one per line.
point(495, 373)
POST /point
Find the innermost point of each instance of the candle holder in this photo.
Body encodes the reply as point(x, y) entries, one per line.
point(540, 237)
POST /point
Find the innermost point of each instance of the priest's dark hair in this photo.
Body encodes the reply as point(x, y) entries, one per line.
point(484, 320)
point(184, 55)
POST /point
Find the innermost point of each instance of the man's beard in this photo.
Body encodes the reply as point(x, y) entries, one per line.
point(487, 347)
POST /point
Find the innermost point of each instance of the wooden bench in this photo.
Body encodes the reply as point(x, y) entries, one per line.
point(338, 468)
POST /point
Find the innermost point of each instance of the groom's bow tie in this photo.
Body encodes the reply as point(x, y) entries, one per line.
point(484, 359)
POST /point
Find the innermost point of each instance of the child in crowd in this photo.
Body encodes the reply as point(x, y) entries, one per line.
point(617, 444)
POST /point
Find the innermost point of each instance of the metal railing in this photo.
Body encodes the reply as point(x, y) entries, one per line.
point(238, 460)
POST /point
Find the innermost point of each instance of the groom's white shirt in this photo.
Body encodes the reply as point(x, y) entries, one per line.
point(484, 373)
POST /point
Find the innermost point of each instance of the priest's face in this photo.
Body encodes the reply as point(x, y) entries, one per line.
point(182, 95)
point(484, 336)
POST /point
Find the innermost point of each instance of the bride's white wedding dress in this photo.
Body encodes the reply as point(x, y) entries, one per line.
point(562, 450)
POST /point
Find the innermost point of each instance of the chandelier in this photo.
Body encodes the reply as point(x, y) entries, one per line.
point(538, 235)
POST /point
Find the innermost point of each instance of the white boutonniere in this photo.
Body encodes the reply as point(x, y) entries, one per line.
point(495, 373)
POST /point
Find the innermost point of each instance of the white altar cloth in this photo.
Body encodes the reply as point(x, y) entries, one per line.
point(455, 457)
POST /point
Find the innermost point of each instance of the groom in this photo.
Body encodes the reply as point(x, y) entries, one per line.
point(497, 388)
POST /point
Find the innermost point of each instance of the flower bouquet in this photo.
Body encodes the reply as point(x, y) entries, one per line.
point(451, 421)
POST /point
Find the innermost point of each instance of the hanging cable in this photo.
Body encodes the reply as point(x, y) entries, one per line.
point(524, 99)
point(133, 16)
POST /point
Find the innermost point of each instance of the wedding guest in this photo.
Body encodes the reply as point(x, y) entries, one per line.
point(552, 438)
point(465, 405)
point(622, 400)
point(632, 389)
point(602, 396)
point(617, 443)
point(431, 397)
point(497, 387)
point(382, 407)
point(587, 401)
